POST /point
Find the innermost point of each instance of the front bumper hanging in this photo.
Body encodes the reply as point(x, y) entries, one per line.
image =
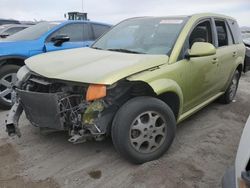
point(12, 120)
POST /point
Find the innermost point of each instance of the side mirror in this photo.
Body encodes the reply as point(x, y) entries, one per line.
point(4, 35)
point(60, 39)
point(201, 49)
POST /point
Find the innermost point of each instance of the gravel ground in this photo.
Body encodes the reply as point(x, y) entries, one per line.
point(204, 147)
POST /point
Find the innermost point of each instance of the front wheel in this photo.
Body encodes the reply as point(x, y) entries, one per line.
point(7, 79)
point(143, 129)
point(231, 90)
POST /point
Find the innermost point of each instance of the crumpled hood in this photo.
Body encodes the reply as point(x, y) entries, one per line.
point(88, 65)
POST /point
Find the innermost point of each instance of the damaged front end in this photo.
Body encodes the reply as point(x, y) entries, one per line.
point(60, 105)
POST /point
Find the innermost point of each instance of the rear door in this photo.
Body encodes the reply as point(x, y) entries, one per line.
point(79, 34)
point(227, 51)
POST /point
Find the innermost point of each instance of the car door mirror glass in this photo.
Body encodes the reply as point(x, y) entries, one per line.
point(200, 49)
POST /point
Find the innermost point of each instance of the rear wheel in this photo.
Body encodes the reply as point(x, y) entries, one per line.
point(231, 91)
point(7, 79)
point(143, 129)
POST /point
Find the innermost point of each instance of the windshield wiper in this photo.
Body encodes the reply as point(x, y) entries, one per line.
point(126, 51)
point(96, 48)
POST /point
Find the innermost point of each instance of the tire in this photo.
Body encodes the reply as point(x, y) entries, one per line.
point(231, 91)
point(143, 129)
point(7, 77)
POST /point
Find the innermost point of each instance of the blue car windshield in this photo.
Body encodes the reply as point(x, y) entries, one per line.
point(33, 32)
point(143, 35)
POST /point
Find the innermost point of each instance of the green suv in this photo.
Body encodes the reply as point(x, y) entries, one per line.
point(135, 84)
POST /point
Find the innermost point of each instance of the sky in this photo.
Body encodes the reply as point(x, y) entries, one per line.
point(113, 11)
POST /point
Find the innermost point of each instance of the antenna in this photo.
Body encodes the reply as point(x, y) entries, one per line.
point(82, 5)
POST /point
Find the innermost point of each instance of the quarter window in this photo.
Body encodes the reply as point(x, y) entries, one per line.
point(236, 31)
point(221, 33)
point(201, 33)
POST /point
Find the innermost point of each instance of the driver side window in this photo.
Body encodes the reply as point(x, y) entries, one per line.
point(201, 33)
point(77, 32)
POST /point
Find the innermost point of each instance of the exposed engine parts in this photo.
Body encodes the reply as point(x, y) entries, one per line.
point(60, 106)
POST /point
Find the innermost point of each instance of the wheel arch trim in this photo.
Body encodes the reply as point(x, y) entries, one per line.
point(239, 62)
point(170, 86)
point(13, 56)
point(19, 57)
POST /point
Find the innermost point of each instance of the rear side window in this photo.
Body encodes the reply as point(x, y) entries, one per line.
point(221, 33)
point(236, 31)
point(201, 33)
point(99, 30)
point(230, 36)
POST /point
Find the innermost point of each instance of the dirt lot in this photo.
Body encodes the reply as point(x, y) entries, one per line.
point(204, 147)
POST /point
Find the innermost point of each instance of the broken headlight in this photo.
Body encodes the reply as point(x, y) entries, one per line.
point(23, 73)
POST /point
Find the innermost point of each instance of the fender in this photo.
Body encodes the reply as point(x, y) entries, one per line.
point(164, 85)
point(11, 57)
point(169, 86)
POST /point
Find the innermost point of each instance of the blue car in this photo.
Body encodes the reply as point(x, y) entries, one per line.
point(41, 38)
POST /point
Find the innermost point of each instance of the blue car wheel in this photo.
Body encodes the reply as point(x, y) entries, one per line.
point(7, 79)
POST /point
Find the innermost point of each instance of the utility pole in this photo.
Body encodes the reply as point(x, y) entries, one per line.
point(82, 6)
point(77, 15)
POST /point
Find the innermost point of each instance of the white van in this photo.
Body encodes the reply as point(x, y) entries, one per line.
point(238, 176)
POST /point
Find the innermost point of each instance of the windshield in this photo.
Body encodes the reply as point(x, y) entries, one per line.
point(33, 32)
point(142, 35)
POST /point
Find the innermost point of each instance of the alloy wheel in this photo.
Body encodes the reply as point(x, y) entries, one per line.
point(7, 93)
point(148, 132)
point(233, 87)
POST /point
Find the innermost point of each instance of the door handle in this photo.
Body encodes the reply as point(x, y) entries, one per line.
point(215, 60)
point(234, 54)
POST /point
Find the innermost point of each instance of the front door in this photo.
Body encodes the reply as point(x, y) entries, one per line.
point(202, 72)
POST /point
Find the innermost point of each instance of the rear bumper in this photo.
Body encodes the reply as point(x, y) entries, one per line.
point(228, 180)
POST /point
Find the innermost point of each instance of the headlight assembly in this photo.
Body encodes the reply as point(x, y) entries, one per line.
point(23, 73)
